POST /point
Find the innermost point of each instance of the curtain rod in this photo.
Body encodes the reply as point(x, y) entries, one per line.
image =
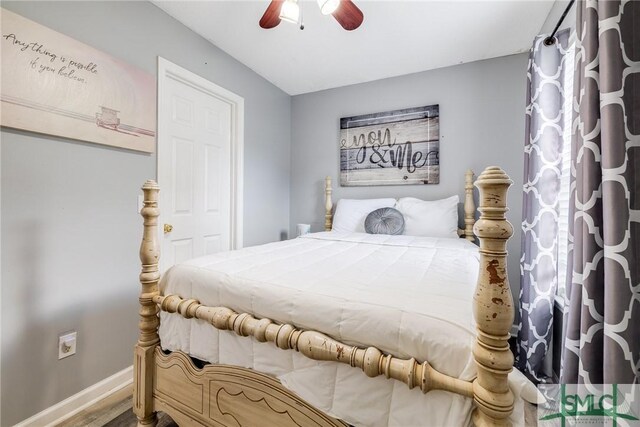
point(551, 40)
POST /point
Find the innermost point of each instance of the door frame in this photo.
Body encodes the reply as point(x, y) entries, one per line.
point(168, 70)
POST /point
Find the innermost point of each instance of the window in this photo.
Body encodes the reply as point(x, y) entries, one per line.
point(563, 196)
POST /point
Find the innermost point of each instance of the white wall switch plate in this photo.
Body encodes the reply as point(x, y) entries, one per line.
point(67, 345)
point(140, 202)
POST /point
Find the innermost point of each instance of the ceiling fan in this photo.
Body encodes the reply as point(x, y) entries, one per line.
point(348, 15)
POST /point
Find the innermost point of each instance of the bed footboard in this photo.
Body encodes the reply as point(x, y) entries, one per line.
point(148, 340)
point(317, 346)
point(228, 395)
point(171, 383)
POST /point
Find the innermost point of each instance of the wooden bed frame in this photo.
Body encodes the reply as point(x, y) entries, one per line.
point(469, 207)
point(230, 396)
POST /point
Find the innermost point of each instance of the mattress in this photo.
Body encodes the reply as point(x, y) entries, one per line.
point(408, 296)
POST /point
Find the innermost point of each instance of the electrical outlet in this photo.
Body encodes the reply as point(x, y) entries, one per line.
point(67, 345)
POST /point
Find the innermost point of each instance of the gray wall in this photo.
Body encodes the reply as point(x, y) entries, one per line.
point(481, 123)
point(70, 232)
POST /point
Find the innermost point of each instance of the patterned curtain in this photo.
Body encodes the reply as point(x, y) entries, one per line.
point(544, 128)
point(602, 318)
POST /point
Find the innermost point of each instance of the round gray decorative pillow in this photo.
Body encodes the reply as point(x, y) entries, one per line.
point(384, 221)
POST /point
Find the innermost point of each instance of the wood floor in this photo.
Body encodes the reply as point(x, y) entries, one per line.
point(115, 411)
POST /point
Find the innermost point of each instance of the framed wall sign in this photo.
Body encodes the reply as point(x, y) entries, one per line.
point(55, 85)
point(392, 148)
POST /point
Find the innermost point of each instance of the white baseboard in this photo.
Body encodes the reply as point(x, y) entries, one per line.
point(79, 401)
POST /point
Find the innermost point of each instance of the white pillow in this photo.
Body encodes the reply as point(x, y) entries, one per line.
point(351, 213)
point(438, 218)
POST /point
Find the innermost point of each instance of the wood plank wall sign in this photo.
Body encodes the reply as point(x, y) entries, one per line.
point(391, 148)
point(56, 85)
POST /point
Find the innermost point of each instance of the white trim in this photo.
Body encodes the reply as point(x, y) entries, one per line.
point(166, 70)
point(80, 401)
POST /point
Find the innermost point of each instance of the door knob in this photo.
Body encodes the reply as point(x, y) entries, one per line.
point(168, 228)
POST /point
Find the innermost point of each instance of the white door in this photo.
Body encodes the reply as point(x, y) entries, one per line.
point(195, 168)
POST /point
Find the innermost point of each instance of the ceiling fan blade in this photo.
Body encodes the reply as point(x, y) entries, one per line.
point(348, 15)
point(271, 17)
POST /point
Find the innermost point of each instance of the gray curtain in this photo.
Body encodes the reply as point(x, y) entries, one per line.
point(602, 318)
point(544, 122)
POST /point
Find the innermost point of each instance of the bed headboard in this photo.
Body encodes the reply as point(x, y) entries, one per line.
point(469, 207)
point(328, 204)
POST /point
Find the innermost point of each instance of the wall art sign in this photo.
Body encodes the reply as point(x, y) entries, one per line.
point(55, 85)
point(391, 148)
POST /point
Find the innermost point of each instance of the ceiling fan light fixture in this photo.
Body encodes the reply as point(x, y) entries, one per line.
point(327, 7)
point(290, 11)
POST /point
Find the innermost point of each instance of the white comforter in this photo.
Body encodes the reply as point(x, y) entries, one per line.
point(408, 296)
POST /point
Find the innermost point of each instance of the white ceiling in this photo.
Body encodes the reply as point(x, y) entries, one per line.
point(396, 37)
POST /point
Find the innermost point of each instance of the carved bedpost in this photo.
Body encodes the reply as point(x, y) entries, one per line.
point(148, 338)
point(469, 206)
point(493, 307)
point(328, 207)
